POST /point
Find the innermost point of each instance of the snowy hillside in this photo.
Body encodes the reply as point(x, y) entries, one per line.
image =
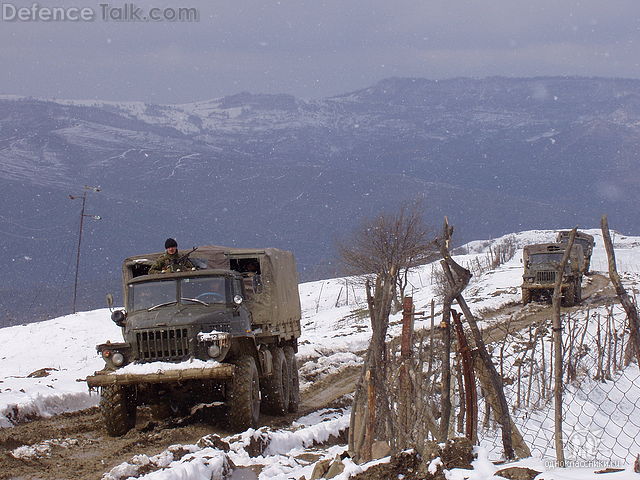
point(244, 159)
point(43, 365)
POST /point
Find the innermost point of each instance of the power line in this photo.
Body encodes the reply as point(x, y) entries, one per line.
point(83, 197)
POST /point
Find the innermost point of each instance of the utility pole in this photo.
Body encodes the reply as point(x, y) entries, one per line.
point(83, 197)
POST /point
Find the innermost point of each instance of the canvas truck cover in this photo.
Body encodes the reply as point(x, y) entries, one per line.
point(275, 306)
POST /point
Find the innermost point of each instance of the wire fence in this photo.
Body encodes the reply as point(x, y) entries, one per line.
point(601, 399)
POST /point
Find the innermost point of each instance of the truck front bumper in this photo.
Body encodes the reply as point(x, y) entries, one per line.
point(545, 286)
point(108, 378)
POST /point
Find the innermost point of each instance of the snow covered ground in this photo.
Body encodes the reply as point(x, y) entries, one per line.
point(43, 366)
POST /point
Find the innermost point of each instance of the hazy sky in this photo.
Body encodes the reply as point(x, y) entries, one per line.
point(311, 48)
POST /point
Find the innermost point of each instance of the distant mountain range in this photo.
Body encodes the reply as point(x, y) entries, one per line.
point(495, 155)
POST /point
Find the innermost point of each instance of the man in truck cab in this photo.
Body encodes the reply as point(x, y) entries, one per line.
point(171, 260)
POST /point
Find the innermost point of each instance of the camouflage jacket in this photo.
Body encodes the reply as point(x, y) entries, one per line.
point(171, 263)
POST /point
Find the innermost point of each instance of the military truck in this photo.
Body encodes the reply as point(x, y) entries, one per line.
point(541, 262)
point(585, 240)
point(223, 334)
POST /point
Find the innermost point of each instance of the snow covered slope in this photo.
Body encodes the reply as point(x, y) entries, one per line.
point(333, 329)
point(335, 332)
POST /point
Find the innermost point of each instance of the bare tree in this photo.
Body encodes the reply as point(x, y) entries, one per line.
point(380, 250)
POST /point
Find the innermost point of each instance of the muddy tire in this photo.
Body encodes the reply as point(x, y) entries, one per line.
point(526, 296)
point(243, 400)
point(275, 391)
point(294, 380)
point(118, 408)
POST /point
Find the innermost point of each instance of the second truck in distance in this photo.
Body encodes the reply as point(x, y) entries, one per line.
point(541, 262)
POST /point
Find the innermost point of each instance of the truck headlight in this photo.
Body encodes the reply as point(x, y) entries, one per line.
point(213, 351)
point(117, 359)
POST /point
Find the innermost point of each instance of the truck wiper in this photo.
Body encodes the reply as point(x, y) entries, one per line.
point(161, 305)
point(194, 300)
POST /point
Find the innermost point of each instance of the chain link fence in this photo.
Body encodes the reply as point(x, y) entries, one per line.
point(601, 398)
point(601, 394)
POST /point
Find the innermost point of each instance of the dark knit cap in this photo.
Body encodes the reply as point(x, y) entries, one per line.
point(170, 242)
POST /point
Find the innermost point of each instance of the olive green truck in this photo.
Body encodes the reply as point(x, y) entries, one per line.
point(541, 263)
point(223, 334)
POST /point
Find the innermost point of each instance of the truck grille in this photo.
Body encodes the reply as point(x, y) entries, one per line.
point(162, 344)
point(545, 277)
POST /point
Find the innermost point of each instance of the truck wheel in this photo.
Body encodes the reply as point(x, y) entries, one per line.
point(294, 380)
point(275, 394)
point(526, 296)
point(243, 400)
point(118, 408)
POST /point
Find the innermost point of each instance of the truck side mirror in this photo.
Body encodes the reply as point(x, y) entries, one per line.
point(110, 301)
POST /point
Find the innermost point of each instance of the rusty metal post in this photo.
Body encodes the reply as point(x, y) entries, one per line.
point(470, 393)
point(406, 349)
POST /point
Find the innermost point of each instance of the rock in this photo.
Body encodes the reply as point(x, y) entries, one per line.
point(518, 473)
point(213, 441)
point(43, 372)
point(406, 464)
point(320, 469)
point(428, 464)
point(309, 457)
point(380, 449)
point(336, 468)
point(457, 453)
point(257, 445)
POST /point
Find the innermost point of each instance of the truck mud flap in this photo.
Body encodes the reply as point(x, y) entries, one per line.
point(101, 379)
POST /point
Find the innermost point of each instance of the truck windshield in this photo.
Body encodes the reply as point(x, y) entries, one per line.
point(146, 295)
point(204, 290)
point(550, 259)
point(546, 257)
point(199, 290)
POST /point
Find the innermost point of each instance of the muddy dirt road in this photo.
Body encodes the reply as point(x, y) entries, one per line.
point(75, 446)
point(596, 291)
